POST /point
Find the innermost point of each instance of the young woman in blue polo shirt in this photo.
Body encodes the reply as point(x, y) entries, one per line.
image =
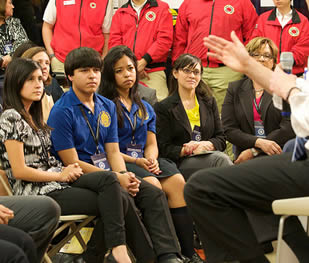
point(137, 140)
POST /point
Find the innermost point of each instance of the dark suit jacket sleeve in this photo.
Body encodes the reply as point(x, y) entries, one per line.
point(282, 134)
point(164, 133)
point(230, 123)
point(219, 138)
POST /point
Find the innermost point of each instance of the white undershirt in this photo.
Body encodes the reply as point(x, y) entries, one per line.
point(138, 8)
point(283, 20)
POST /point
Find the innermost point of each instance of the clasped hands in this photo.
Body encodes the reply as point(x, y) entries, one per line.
point(194, 147)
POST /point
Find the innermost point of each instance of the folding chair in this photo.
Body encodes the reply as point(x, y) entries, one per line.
point(74, 222)
point(289, 207)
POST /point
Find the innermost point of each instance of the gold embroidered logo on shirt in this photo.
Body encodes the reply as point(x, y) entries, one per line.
point(150, 16)
point(105, 119)
point(139, 114)
point(229, 9)
point(294, 31)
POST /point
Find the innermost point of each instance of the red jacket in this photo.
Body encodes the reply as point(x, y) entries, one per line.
point(78, 26)
point(150, 37)
point(294, 37)
point(200, 18)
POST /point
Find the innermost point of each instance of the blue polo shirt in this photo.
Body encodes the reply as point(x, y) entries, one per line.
point(149, 124)
point(70, 129)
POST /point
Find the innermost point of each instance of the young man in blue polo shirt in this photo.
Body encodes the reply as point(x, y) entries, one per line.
point(85, 131)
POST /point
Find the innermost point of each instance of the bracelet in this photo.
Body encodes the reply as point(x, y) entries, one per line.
point(289, 93)
point(51, 56)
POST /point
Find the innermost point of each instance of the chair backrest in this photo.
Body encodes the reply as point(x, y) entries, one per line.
point(5, 188)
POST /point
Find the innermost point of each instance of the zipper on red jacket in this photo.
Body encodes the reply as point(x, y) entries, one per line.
point(210, 26)
point(80, 32)
point(280, 41)
point(137, 23)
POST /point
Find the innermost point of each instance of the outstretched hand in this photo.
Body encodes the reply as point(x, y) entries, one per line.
point(232, 54)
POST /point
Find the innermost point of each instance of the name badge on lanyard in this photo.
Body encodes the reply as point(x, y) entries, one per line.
point(259, 129)
point(8, 48)
point(100, 160)
point(196, 134)
point(134, 150)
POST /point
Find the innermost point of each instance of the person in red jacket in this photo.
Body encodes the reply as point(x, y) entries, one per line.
point(146, 27)
point(200, 18)
point(289, 30)
point(76, 23)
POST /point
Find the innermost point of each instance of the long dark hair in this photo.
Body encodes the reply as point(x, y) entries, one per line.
point(188, 61)
point(108, 87)
point(16, 74)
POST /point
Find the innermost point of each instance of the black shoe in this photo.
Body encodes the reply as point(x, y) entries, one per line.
point(267, 247)
point(172, 260)
point(110, 258)
point(196, 259)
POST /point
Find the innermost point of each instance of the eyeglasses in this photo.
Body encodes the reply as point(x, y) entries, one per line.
point(188, 71)
point(265, 56)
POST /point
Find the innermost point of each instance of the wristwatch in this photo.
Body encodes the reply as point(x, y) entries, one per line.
point(254, 152)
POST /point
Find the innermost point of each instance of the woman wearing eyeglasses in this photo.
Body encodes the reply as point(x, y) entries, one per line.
point(189, 129)
point(250, 120)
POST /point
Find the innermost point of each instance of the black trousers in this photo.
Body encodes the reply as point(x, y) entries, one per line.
point(119, 221)
point(218, 199)
point(16, 246)
point(38, 216)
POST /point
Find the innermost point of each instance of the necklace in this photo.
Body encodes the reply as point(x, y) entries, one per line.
point(258, 91)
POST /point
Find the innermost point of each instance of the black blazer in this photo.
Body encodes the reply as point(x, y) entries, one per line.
point(174, 129)
point(237, 117)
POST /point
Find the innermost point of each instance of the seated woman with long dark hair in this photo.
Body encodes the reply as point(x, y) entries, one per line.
point(24, 153)
point(137, 140)
point(189, 129)
point(250, 120)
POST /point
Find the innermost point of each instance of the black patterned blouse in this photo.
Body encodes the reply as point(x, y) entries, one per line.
point(36, 148)
point(12, 35)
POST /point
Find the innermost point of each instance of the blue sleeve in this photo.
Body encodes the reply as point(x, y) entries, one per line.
point(152, 118)
point(61, 122)
point(112, 133)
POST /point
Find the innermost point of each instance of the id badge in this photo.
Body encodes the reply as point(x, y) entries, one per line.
point(196, 134)
point(100, 160)
point(259, 129)
point(69, 2)
point(134, 150)
point(8, 48)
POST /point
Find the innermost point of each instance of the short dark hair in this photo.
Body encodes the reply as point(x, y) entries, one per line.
point(108, 87)
point(16, 74)
point(82, 57)
point(22, 48)
point(190, 61)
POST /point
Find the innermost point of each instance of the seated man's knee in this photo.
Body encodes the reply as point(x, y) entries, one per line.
point(222, 159)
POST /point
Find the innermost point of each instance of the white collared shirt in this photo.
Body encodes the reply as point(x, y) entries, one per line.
point(300, 109)
point(283, 20)
point(138, 8)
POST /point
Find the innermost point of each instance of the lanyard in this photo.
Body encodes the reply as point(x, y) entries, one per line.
point(133, 125)
point(258, 107)
point(95, 137)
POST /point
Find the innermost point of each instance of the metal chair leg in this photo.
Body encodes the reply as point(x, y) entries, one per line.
point(280, 234)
